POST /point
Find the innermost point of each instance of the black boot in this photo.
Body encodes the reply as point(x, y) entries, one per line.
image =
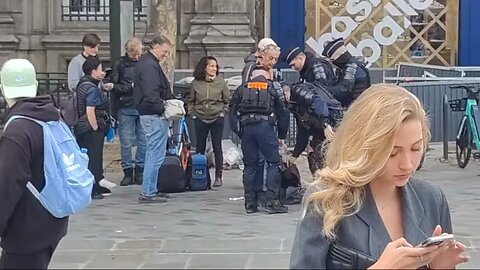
point(275, 207)
point(127, 177)
point(251, 205)
point(138, 175)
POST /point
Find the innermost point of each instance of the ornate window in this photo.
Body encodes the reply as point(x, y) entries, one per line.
point(98, 10)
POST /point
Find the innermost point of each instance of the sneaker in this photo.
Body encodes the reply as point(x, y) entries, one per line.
point(275, 207)
point(218, 182)
point(104, 191)
point(107, 184)
point(154, 199)
point(163, 195)
point(97, 196)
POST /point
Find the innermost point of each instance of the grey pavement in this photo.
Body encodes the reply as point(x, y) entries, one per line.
point(209, 229)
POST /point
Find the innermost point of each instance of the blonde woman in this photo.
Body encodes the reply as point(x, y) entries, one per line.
point(365, 210)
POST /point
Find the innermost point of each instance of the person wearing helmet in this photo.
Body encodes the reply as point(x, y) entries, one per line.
point(353, 78)
point(312, 69)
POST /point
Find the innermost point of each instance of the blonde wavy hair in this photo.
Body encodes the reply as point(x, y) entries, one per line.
point(360, 150)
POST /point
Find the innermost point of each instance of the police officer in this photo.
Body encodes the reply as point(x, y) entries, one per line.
point(311, 68)
point(313, 117)
point(258, 108)
point(265, 57)
point(353, 78)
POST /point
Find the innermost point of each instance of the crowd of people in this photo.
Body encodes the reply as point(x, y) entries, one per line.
point(361, 210)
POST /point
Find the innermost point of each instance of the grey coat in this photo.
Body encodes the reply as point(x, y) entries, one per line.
point(361, 238)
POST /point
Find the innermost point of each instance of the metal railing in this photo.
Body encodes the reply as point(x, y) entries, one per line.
point(98, 10)
point(422, 70)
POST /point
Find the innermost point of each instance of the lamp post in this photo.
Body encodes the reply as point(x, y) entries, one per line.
point(121, 26)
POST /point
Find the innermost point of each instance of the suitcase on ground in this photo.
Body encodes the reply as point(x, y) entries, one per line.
point(197, 173)
point(171, 176)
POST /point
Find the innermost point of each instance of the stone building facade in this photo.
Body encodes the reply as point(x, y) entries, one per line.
point(49, 32)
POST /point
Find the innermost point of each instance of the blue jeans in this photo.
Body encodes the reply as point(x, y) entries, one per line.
point(130, 131)
point(156, 131)
point(260, 137)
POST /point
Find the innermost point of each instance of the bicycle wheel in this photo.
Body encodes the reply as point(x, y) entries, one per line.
point(464, 143)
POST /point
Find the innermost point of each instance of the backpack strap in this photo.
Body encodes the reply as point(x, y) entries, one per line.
point(21, 117)
point(30, 186)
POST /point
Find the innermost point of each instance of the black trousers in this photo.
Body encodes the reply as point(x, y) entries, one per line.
point(93, 141)
point(35, 260)
point(216, 130)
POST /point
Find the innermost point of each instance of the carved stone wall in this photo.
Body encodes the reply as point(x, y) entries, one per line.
point(34, 29)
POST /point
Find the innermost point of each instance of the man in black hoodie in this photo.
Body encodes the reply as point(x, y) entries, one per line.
point(29, 233)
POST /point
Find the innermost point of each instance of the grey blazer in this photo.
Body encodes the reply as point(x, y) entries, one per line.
point(361, 238)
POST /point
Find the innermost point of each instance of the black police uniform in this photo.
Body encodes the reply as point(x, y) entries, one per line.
point(257, 109)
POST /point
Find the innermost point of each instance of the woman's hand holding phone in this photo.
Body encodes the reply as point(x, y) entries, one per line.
point(451, 255)
point(400, 254)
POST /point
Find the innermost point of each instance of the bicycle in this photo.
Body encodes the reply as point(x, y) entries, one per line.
point(467, 136)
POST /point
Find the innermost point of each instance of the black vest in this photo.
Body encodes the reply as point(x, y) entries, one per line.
point(257, 99)
point(85, 83)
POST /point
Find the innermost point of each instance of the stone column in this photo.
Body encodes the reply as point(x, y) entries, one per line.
point(9, 42)
point(220, 28)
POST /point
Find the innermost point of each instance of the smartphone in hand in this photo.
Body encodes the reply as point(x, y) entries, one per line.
point(437, 240)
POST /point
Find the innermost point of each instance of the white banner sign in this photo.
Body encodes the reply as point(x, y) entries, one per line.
point(360, 10)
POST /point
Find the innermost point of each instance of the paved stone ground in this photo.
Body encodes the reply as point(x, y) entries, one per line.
point(211, 230)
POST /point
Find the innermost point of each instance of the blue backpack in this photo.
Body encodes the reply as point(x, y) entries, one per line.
point(68, 182)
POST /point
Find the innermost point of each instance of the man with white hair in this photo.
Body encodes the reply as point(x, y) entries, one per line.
point(29, 233)
point(266, 56)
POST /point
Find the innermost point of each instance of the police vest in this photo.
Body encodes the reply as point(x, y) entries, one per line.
point(257, 99)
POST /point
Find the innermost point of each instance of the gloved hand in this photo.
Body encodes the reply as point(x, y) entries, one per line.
point(328, 132)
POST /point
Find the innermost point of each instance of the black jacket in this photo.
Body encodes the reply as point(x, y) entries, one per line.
point(317, 70)
point(151, 87)
point(354, 78)
point(250, 63)
point(362, 237)
point(25, 225)
point(122, 77)
point(311, 114)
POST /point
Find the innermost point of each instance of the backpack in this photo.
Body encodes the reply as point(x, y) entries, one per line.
point(68, 182)
point(66, 101)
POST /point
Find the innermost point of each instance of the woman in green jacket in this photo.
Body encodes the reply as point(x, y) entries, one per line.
point(207, 105)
